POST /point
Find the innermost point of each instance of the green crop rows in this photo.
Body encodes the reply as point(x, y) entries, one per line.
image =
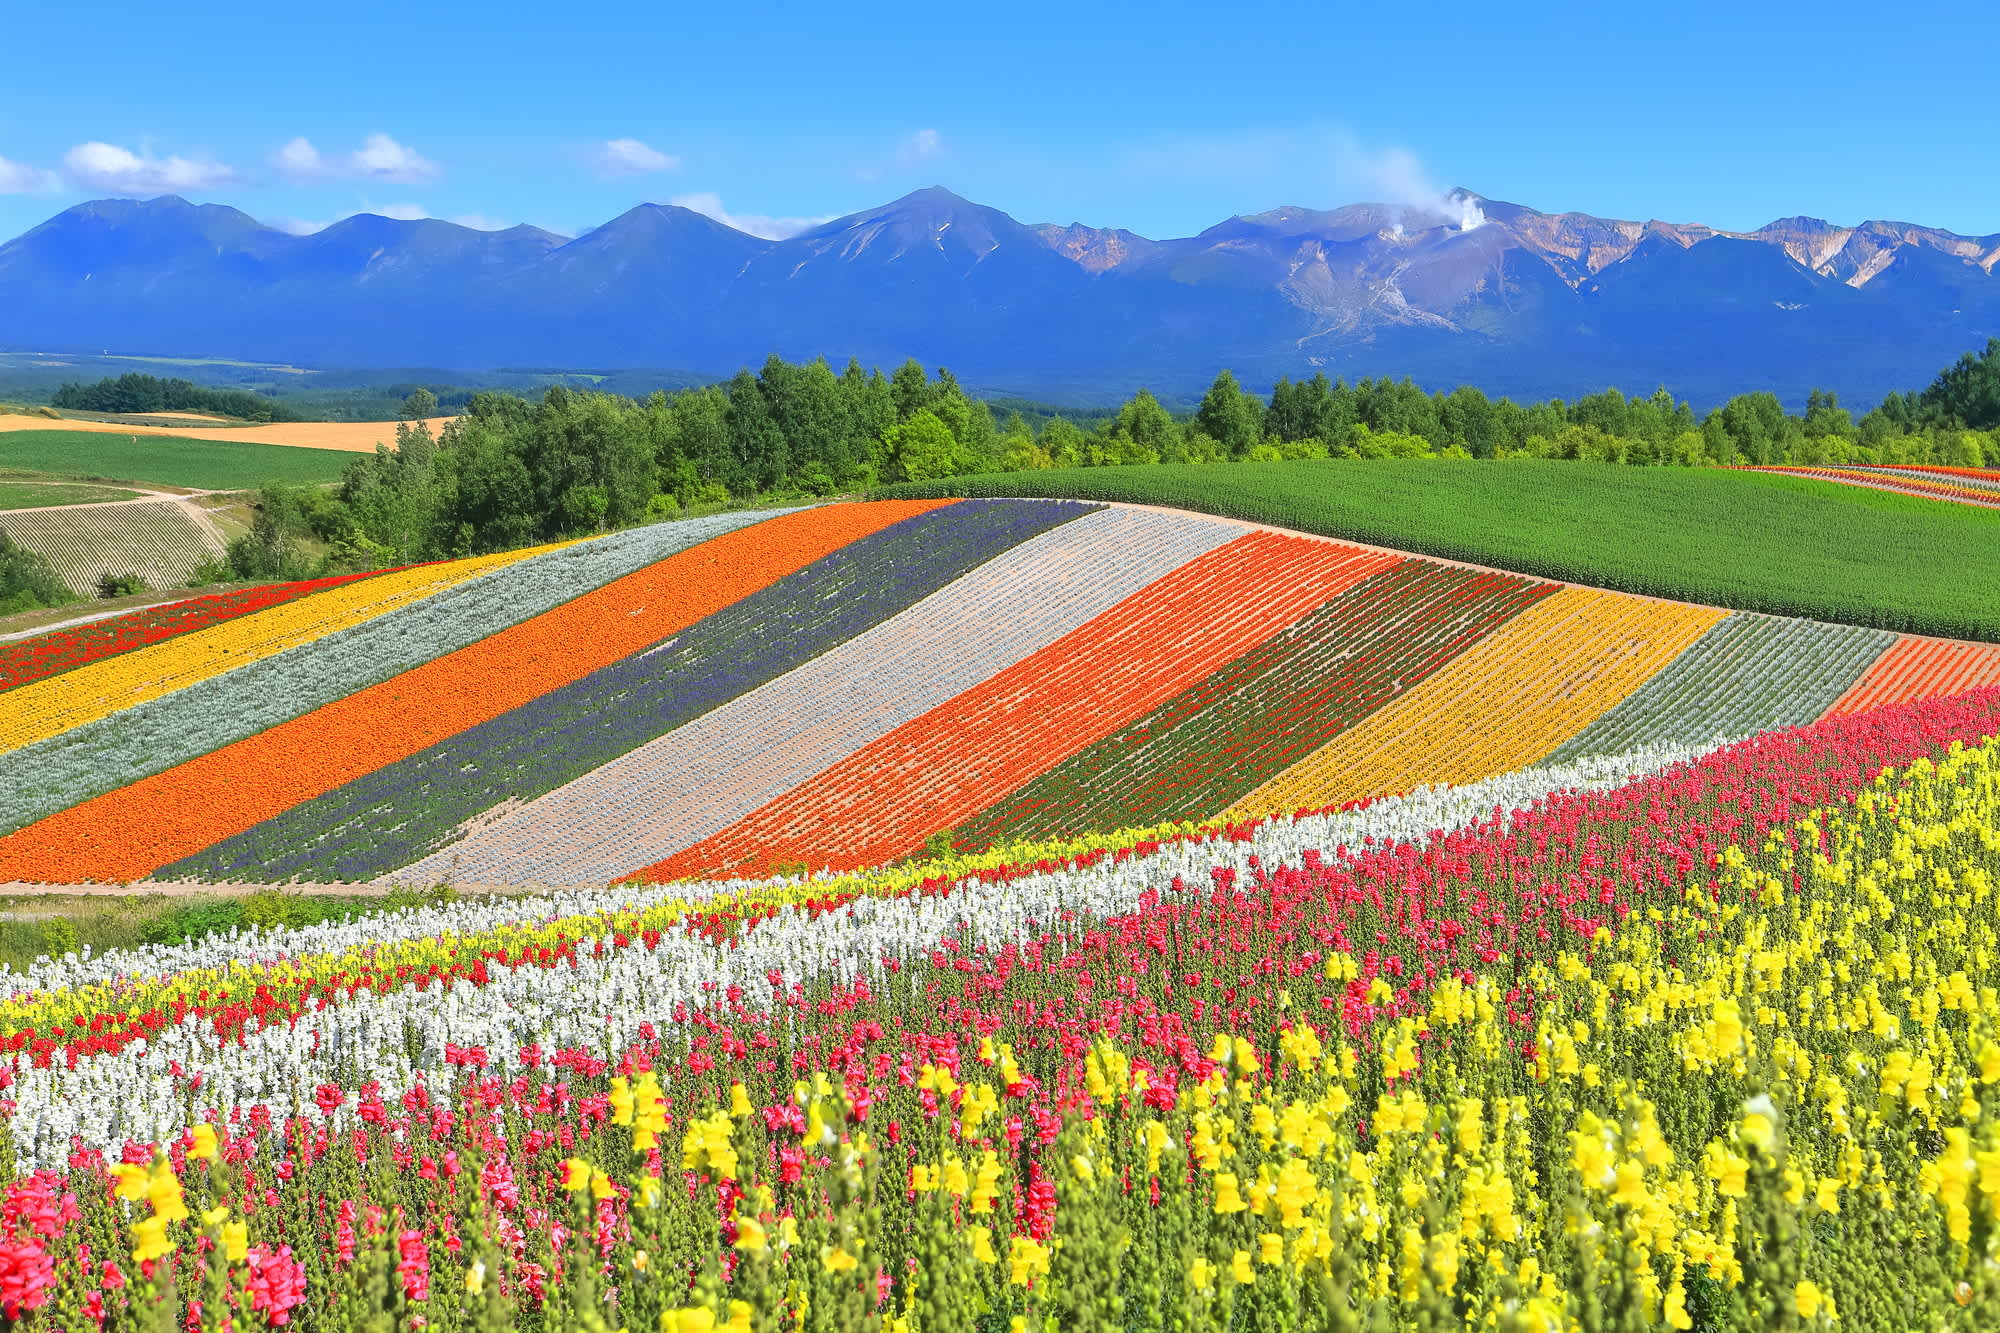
point(159, 542)
point(218, 465)
point(1734, 539)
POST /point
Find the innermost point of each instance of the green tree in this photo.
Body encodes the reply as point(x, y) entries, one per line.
point(1825, 416)
point(1064, 442)
point(27, 581)
point(1967, 393)
point(762, 459)
point(910, 389)
point(271, 549)
point(421, 405)
point(1151, 429)
point(1230, 416)
point(921, 449)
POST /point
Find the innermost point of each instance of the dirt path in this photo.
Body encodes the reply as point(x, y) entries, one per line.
point(143, 497)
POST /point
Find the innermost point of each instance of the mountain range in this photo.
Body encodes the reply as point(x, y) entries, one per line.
point(1468, 290)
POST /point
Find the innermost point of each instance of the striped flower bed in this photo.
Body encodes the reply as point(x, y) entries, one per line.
point(1749, 673)
point(25, 661)
point(835, 688)
point(1932, 485)
point(1216, 741)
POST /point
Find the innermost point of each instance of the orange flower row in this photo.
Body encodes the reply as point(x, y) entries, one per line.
point(940, 769)
point(1915, 668)
point(127, 834)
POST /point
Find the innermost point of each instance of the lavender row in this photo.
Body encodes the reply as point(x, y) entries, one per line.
point(697, 781)
point(149, 738)
point(397, 814)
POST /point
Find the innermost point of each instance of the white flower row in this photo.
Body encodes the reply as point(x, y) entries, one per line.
point(400, 1038)
point(698, 779)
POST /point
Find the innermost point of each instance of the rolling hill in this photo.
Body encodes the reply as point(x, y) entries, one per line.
point(1473, 290)
point(839, 687)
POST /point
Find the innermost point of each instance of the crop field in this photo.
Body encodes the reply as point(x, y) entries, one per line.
point(340, 436)
point(1749, 541)
point(166, 458)
point(993, 914)
point(839, 687)
point(1970, 486)
point(160, 541)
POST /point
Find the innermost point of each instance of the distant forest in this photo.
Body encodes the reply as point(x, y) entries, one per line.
point(136, 392)
point(511, 471)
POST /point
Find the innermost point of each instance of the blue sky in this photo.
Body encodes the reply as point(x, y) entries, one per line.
point(1165, 119)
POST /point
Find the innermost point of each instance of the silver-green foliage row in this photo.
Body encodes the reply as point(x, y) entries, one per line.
point(1750, 673)
point(77, 765)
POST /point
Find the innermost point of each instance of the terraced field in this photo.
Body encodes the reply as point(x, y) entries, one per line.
point(160, 541)
point(837, 687)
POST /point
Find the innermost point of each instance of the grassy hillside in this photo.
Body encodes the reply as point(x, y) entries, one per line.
point(1753, 542)
point(167, 459)
point(37, 495)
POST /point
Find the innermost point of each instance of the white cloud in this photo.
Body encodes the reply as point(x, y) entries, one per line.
point(912, 150)
point(756, 224)
point(1322, 167)
point(921, 146)
point(383, 159)
point(114, 170)
point(400, 212)
point(480, 222)
point(20, 178)
point(631, 157)
point(1396, 177)
point(380, 158)
point(296, 226)
point(299, 160)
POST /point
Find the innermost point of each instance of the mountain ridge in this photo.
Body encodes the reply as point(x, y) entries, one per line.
point(1465, 289)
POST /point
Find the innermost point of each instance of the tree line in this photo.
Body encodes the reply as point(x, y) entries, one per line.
point(511, 471)
point(135, 392)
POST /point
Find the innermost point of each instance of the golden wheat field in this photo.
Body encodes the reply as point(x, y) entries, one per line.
point(354, 436)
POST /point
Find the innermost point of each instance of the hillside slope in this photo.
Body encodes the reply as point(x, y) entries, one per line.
point(834, 687)
point(1752, 541)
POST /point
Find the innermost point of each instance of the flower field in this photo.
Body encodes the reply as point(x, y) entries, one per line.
point(51, 654)
point(1971, 486)
point(835, 688)
point(1695, 1039)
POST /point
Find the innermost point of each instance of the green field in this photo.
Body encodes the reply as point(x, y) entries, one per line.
point(19, 495)
point(1755, 542)
point(169, 459)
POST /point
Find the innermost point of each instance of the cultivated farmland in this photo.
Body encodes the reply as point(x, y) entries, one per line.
point(1749, 541)
point(839, 687)
point(161, 541)
point(167, 459)
point(339, 436)
point(1300, 933)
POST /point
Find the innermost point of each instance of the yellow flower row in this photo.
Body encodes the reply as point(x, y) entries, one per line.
point(1509, 700)
point(1786, 1091)
point(60, 703)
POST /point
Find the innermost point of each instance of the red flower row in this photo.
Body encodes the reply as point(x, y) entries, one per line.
point(28, 660)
